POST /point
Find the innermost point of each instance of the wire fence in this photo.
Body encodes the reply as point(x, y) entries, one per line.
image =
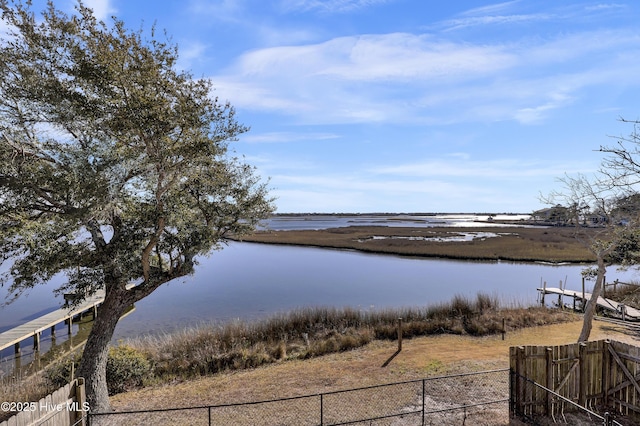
point(474, 398)
point(539, 405)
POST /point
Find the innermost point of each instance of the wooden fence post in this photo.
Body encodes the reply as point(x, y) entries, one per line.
point(520, 383)
point(583, 380)
point(549, 384)
point(606, 372)
point(399, 334)
point(80, 400)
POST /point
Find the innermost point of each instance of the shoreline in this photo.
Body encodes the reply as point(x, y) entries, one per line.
point(499, 243)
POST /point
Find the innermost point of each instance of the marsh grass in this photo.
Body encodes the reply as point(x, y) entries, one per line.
point(556, 244)
point(299, 334)
point(628, 293)
point(312, 332)
point(27, 388)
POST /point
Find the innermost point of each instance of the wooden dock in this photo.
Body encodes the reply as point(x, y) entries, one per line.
point(34, 328)
point(626, 312)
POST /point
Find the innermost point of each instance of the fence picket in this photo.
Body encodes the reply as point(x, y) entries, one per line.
point(595, 374)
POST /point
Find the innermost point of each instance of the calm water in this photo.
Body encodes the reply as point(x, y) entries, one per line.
point(250, 281)
point(317, 221)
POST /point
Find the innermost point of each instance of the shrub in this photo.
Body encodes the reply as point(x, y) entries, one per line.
point(126, 368)
point(60, 373)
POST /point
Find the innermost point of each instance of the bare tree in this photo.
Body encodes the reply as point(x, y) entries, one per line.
point(590, 202)
point(606, 212)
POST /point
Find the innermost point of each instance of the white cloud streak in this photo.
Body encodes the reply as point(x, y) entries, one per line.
point(329, 6)
point(402, 77)
point(283, 137)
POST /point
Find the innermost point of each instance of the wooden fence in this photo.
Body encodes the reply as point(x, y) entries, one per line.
point(600, 375)
point(65, 407)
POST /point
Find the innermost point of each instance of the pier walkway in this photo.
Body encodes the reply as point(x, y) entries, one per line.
point(626, 312)
point(34, 328)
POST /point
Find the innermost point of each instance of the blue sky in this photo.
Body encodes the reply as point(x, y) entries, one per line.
point(411, 105)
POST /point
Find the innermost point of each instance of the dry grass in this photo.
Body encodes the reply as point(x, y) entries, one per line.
point(420, 357)
point(557, 244)
point(313, 332)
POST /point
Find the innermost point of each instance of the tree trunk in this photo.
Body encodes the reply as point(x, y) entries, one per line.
point(93, 366)
point(590, 310)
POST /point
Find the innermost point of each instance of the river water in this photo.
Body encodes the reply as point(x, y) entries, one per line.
point(250, 281)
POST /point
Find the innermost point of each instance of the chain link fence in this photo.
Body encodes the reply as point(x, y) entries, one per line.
point(539, 405)
point(474, 398)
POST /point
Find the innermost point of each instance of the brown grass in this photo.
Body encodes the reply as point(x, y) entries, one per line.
point(420, 357)
point(313, 332)
point(557, 244)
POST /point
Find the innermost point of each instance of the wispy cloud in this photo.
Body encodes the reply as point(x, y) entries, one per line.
point(365, 192)
point(329, 6)
point(494, 14)
point(605, 6)
point(491, 8)
point(281, 137)
point(495, 169)
point(402, 77)
point(473, 21)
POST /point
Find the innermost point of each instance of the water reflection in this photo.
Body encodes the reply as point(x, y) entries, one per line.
point(255, 280)
point(319, 221)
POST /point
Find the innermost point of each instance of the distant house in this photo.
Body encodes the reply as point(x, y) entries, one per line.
point(557, 215)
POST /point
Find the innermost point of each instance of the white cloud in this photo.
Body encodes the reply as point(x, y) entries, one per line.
point(407, 78)
point(102, 9)
point(329, 6)
point(459, 23)
point(492, 8)
point(461, 166)
point(605, 6)
point(353, 192)
point(387, 57)
point(279, 137)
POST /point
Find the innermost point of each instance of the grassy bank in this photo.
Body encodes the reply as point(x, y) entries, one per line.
point(555, 244)
point(312, 332)
point(297, 335)
point(421, 357)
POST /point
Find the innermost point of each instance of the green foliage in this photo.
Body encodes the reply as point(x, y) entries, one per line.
point(100, 133)
point(127, 368)
point(62, 372)
point(627, 249)
point(114, 166)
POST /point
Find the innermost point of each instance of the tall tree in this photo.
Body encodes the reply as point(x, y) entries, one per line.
point(114, 166)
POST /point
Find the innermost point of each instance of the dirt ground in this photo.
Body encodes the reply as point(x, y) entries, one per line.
point(419, 358)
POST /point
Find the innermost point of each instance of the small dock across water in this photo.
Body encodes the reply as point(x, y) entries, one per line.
point(626, 312)
point(34, 328)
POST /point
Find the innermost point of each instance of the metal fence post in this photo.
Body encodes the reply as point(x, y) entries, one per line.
point(209, 410)
point(423, 403)
point(321, 410)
